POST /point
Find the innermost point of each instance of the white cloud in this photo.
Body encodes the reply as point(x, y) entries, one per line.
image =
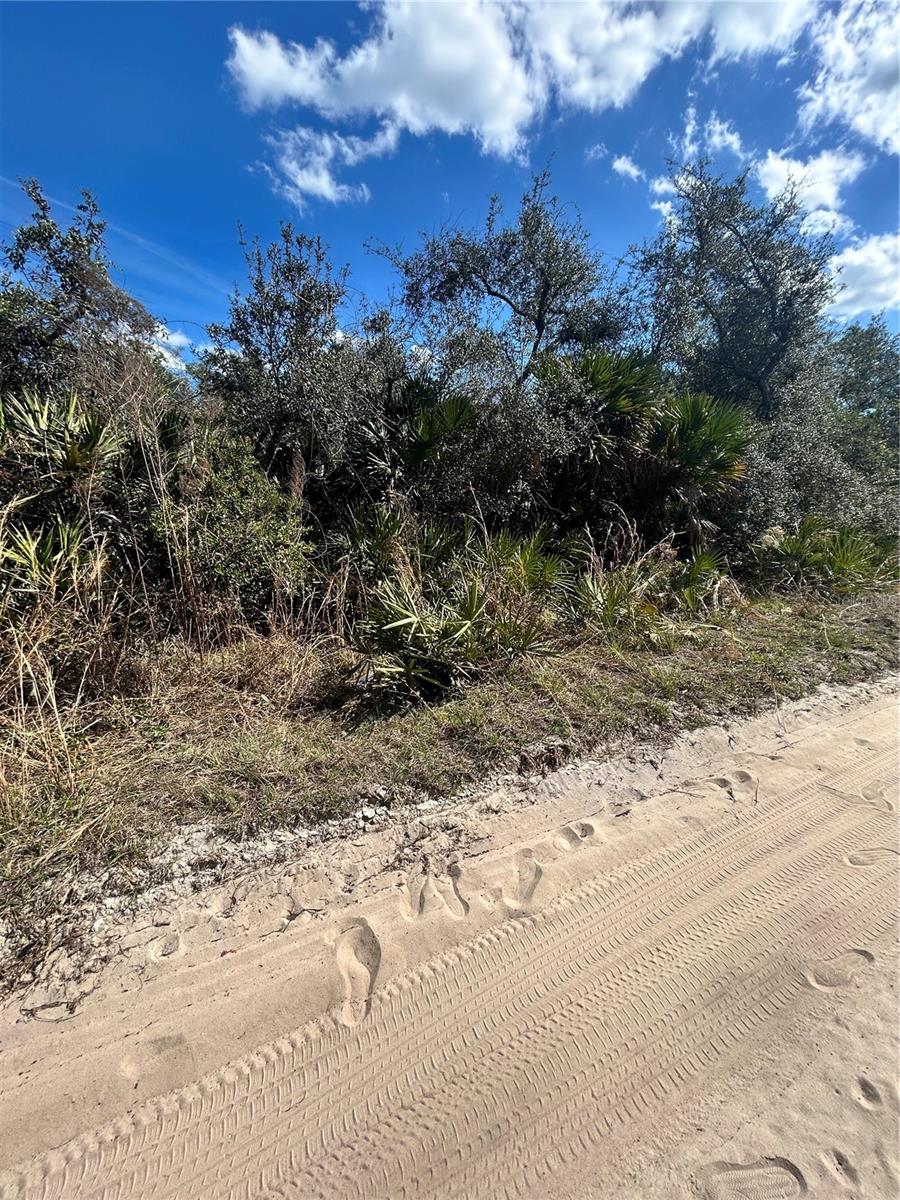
point(306, 160)
point(172, 362)
point(595, 152)
point(174, 339)
point(269, 72)
point(169, 344)
point(722, 135)
point(596, 55)
point(688, 145)
point(716, 135)
point(665, 208)
point(857, 81)
point(623, 165)
point(743, 29)
point(828, 220)
point(819, 181)
point(869, 273)
point(490, 69)
point(662, 185)
point(451, 67)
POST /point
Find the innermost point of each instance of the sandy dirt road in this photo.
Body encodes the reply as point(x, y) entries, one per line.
point(695, 1000)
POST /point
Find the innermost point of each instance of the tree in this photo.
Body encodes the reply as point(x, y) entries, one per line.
point(864, 381)
point(63, 321)
point(529, 288)
point(815, 458)
point(279, 365)
point(735, 289)
point(867, 368)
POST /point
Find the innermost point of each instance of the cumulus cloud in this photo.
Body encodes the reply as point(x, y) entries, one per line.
point(491, 69)
point(174, 339)
point(450, 67)
point(269, 72)
point(819, 180)
point(595, 55)
point(740, 29)
point(623, 165)
point(869, 275)
point(828, 220)
point(595, 152)
point(857, 80)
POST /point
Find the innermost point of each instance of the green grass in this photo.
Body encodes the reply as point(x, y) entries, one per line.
point(265, 735)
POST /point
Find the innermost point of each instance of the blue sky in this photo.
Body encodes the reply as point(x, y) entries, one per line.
point(378, 121)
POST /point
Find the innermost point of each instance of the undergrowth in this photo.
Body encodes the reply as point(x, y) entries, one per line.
point(268, 733)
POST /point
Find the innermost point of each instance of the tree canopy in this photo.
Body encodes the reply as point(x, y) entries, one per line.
point(533, 286)
point(736, 289)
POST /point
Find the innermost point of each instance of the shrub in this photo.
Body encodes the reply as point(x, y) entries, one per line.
point(429, 488)
point(452, 604)
point(805, 462)
point(701, 583)
point(625, 597)
point(234, 536)
point(55, 560)
point(838, 561)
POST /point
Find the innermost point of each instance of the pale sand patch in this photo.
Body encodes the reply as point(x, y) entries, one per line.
point(669, 977)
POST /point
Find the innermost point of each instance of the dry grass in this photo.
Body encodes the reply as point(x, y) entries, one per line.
point(268, 733)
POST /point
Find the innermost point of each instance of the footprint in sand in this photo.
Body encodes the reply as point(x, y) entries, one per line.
point(877, 796)
point(451, 895)
point(841, 1167)
point(767, 1179)
point(358, 956)
point(866, 1094)
point(838, 972)
point(571, 837)
point(429, 893)
point(870, 856)
point(167, 945)
point(528, 873)
point(867, 797)
point(739, 785)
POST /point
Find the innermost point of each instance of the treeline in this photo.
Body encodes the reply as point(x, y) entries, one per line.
point(522, 447)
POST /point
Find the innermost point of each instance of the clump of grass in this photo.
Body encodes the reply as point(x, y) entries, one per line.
point(437, 607)
point(837, 562)
point(59, 823)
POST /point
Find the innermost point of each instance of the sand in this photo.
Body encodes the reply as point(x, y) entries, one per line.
point(667, 975)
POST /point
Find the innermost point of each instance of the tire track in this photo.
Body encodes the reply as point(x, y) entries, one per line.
point(547, 1033)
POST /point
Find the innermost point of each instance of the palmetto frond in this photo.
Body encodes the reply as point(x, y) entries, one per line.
point(61, 434)
point(625, 384)
point(704, 439)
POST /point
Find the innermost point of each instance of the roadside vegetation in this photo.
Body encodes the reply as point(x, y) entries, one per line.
point(383, 551)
